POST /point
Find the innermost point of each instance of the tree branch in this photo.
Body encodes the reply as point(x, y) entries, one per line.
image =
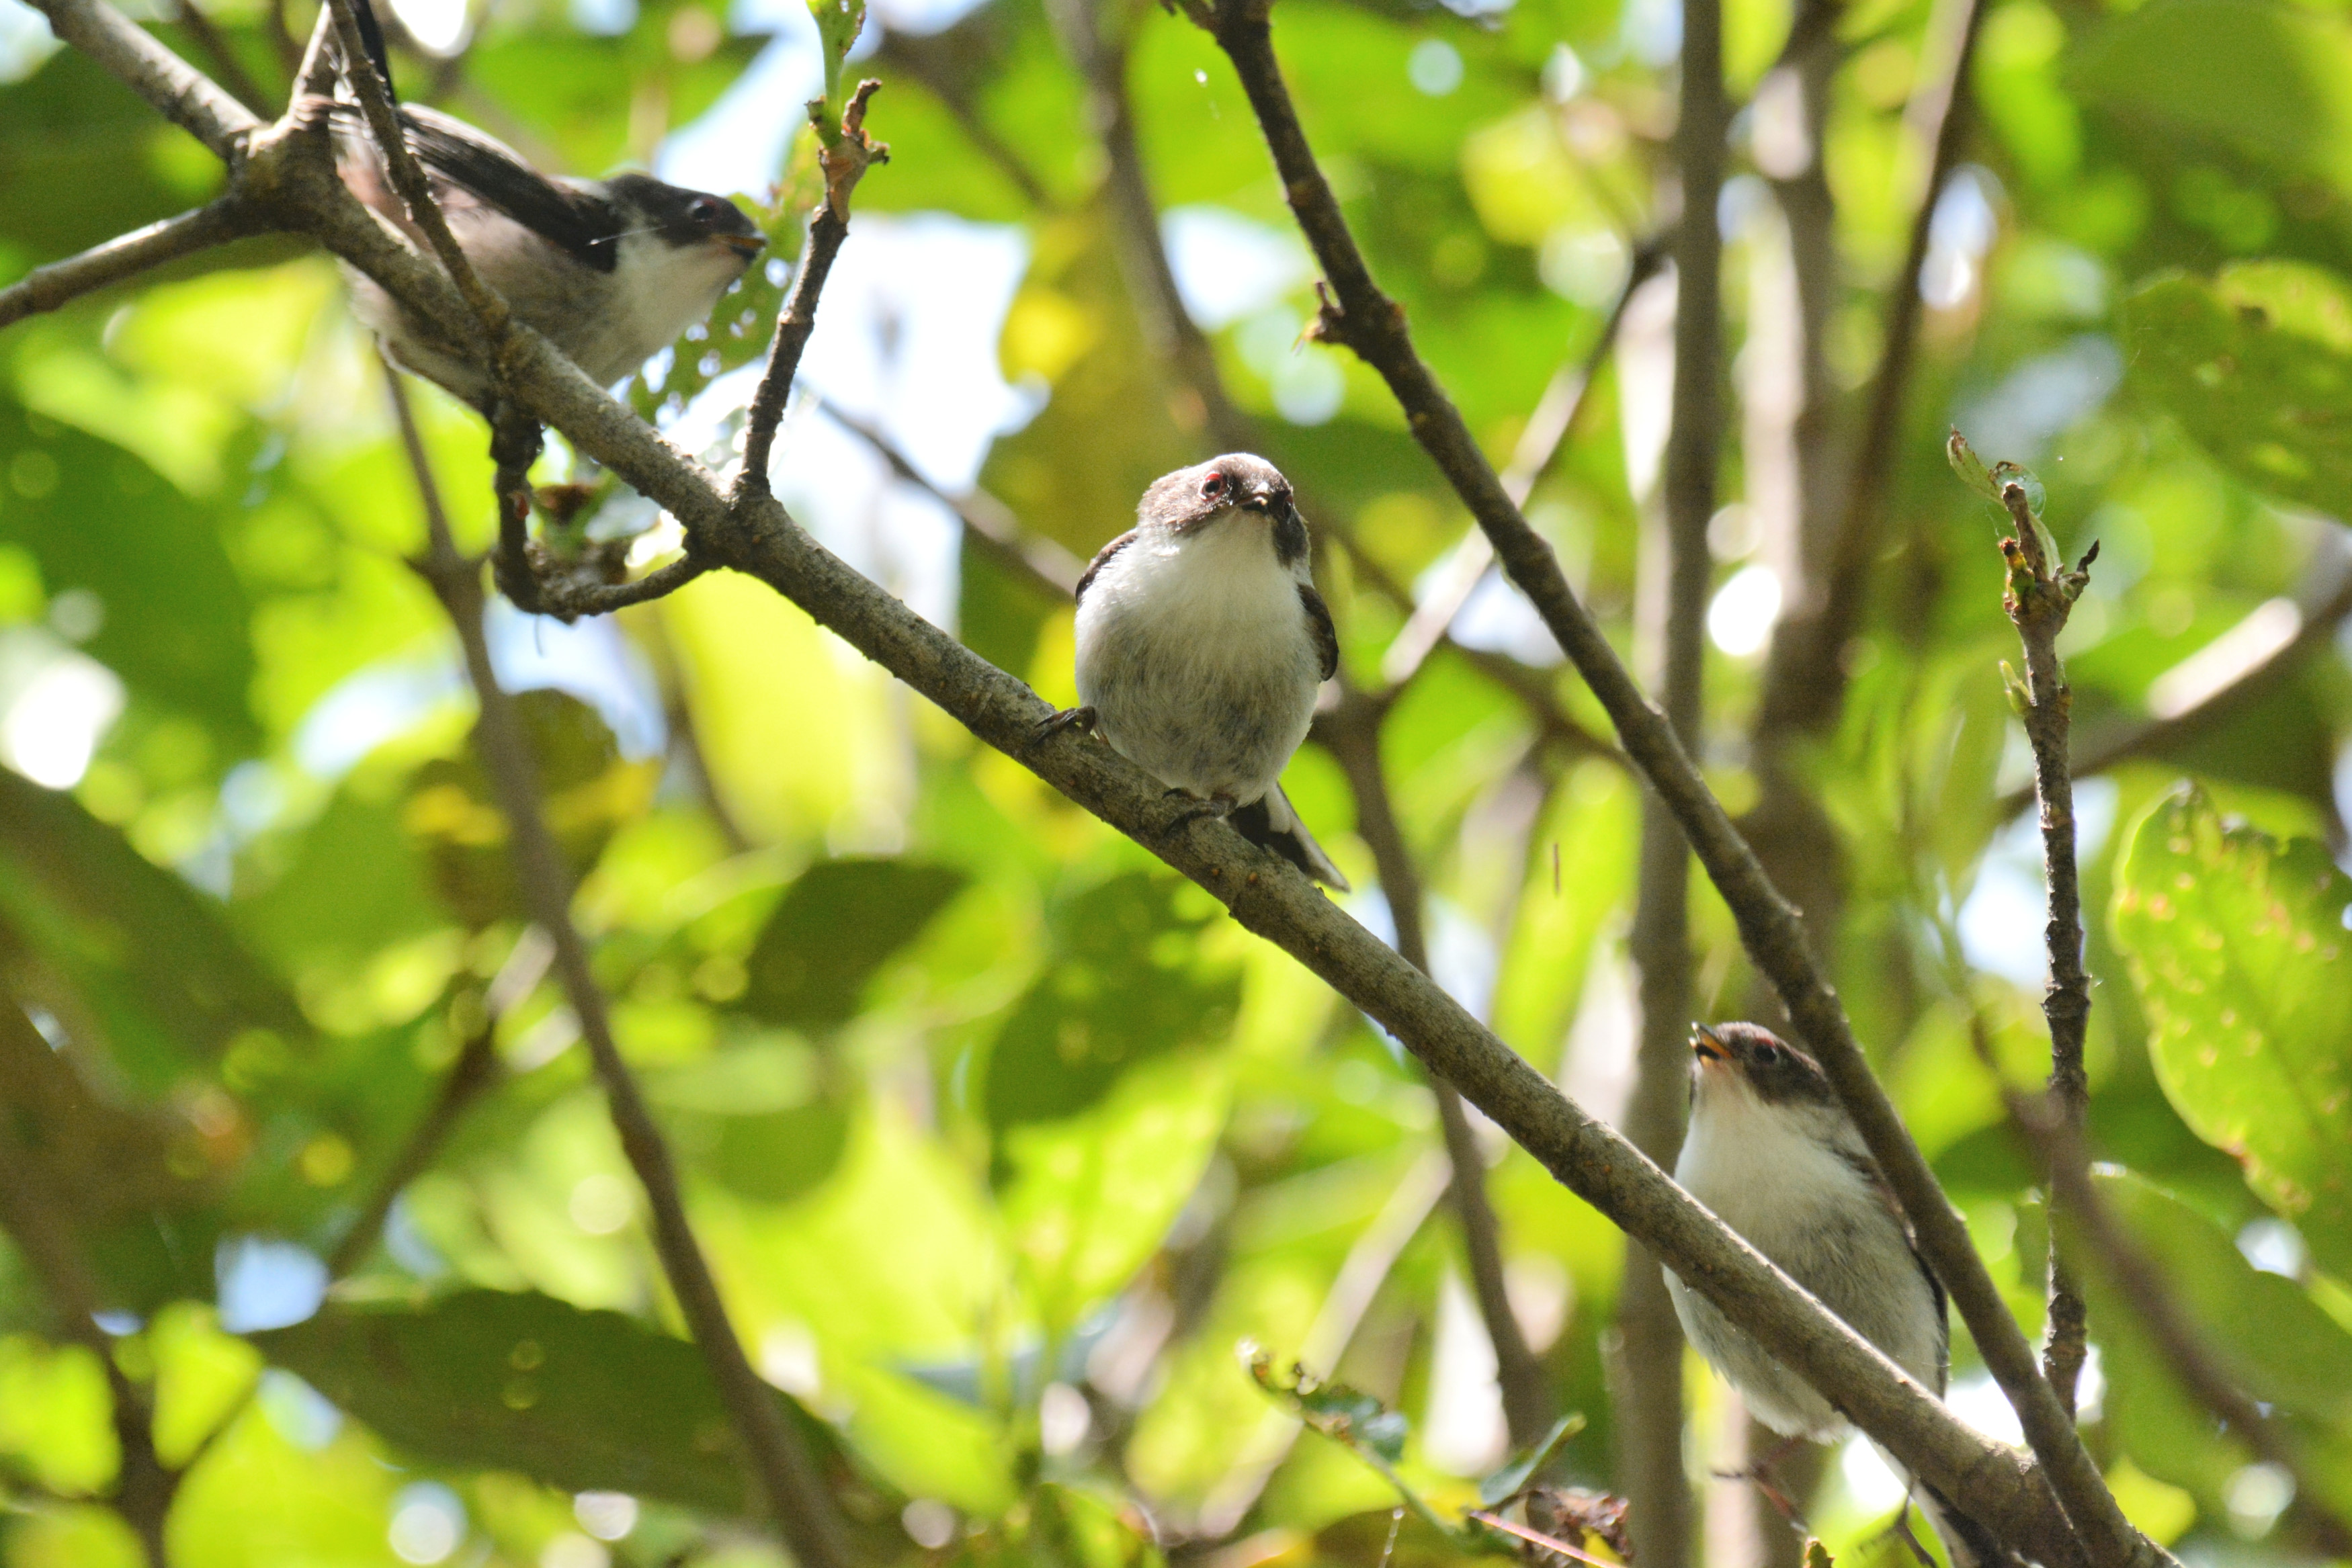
point(794, 1491)
point(1357, 313)
point(2318, 619)
point(1804, 681)
point(1557, 416)
point(1676, 570)
point(987, 522)
point(289, 171)
point(1351, 733)
point(47, 288)
point(2041, 595)
point(181, 93)
point(843, 156)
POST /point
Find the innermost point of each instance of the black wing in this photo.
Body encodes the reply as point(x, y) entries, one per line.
point(1102, 559)
point(579, 224)
point(1319, 627)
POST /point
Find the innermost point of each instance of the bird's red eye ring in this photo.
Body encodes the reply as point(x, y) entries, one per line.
point(1214, 486)
point(707, 209)
point(1766, 1055)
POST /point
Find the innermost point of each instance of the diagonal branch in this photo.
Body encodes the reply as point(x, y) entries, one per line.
point(1359, 314)
point(47, 288)
point(288, 169)
point(181, 93)
point(987, 522)
point(1557, 414)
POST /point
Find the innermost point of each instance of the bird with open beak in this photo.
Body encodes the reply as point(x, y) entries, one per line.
point(1773, 1152)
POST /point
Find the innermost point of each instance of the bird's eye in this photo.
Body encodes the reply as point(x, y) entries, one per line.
point(1214, 486)
point(1766, 1055)
point(707, 210)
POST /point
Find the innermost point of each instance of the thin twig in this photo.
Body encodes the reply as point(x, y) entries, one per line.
point(2141, 1283)
point(181, 93)
point(788, 1478)
point(1556, 417)
point(987, 522)
point(1351, 733)
point(46, 288)
point(1989, 1482)
point(1361, 1273)
point(1357, 313)
point(143, 1487)
point(1804, 684)
point(227, 67)
point(1676, 569)
point(2041, 595)
point(843, 156)
point(2157, 737)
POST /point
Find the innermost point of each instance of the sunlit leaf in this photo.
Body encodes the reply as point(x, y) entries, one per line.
point(2257, 365)
point(2240, 949)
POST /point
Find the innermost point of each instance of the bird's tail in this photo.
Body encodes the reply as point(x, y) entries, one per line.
point(1271, 823)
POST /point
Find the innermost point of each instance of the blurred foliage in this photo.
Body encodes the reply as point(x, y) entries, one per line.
point(1000, 1136)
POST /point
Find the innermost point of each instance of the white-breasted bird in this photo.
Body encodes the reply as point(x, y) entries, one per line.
point(1773, 1153)
point(1202, 644)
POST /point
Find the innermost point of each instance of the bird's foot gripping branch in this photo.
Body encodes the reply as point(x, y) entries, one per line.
point(288, 174)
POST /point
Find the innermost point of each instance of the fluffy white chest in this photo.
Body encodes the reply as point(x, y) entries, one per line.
point(1196, 656)
point(1765, 1180)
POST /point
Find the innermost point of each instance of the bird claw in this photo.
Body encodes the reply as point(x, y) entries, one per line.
point(1082, 719)
point(1216, 808)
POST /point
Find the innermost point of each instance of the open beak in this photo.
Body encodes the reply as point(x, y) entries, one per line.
point(744, 246)
point(1707, 1046)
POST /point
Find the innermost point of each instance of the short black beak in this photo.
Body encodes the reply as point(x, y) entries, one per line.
point(1705, 1045)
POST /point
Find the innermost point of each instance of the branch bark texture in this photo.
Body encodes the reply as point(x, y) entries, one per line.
point(1359, 315)
point(287, 169)
point(2041, 595)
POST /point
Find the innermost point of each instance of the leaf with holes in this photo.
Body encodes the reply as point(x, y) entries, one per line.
point(2238, 944)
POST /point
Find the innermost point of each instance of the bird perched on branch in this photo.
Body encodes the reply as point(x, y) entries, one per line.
point(1774, 1154)
point(1201, 642)
point(610, 271)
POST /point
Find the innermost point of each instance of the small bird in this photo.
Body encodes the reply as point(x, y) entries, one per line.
point(1773, 1153)
point(610, 271)
point(1201, 642)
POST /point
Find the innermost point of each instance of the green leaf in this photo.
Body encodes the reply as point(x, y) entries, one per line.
point(1122, 988)
point(1097, 1193)
point(581, 1400)
point(2238, 946)
point(171, 614)
point(586, 791)
point(835, 928)
point(1512, 1479)
point(153, 956)
point(2257, 366)
point(2267, 1332)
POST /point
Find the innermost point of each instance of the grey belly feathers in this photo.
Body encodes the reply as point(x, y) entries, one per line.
point(1206, 681)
